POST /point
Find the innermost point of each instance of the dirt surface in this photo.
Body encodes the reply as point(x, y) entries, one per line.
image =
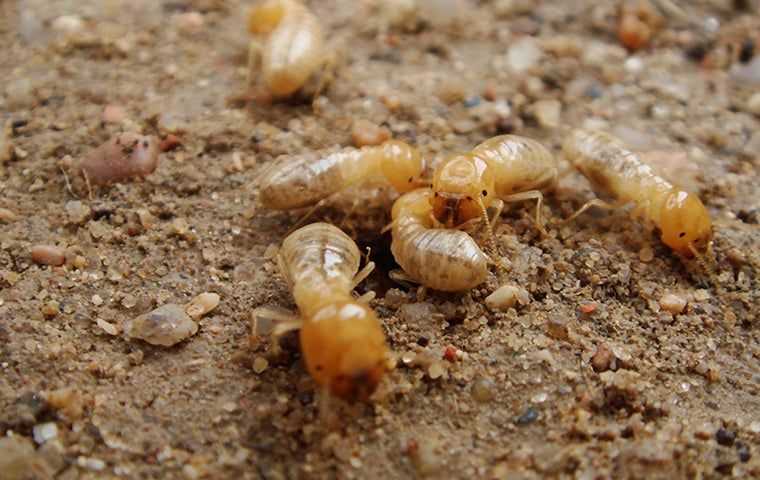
point(592, 379)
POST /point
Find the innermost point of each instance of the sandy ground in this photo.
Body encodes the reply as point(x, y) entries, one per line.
point(591, 379)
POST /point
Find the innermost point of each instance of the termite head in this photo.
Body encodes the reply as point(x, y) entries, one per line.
point(265, 16)
point(464, 187)
point(345, 350)
point(402, 165)
point(685, 225)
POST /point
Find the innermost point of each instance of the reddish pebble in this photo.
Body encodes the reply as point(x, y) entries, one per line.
point(121, 158)
point(602, 359)
point(48, 255)
point(169, 143)
point(450, 354)
point(588, 308)
point(114, 114)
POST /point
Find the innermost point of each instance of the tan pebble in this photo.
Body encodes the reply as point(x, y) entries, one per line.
point(672, 303)
point(202, 304)
point(547, 112)
point(166, 326)
point(366, 133)
point(114, 114)
point(391, 102)
point(7, 216)
point(646, 254)
point(260, 364)
point(97, 300)
point(51, 309)
point(190, 22)
point(507, 296)
point(109, 328)
point(557, 328)
point(436, 370)
point(67, 24)
point(451, 91)
point(602, 358)
point(48, 255)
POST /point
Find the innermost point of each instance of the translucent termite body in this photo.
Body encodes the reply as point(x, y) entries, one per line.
point(300, 181)
point(503, 168)
point(342, 340)
point(617, 172)
point(442, 259)
point(294, 48)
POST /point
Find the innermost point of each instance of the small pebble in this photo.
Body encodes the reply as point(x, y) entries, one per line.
point(67, 24)
point(51, 309)
point(524, 54)
point(189, 22)
point(436, 370)
point(672, 303)
point(89, 463)
point(507, 296)
point(472, 102)
point(557, 328)
point(109, 328)
point(529, 416)
point(646, 254)
point(753, 104)
point(166, 325)
point(97, 300)
point(483, 390)
point(202, 304)
point(114, 114)
point(365, 133)
point(48, 255)
point(725, 437)
point(602, 358)
point(547, 113)
point(260, 364)
point(77, 212)
point(44, 432)
point(7, 216)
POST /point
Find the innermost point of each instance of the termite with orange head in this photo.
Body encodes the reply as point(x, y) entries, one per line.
point(504, 168)
point(293, 49)
point(301, 181)
point(617, 172)
point(342, 340)
point(439, 258)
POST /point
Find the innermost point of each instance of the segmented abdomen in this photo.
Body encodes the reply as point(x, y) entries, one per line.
point(300, 181)
point(519, 163)
point(447, 260)
point(322, 255)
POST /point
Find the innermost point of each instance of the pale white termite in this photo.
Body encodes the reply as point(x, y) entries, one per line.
point(300, 181)
point(504, 168)
point(619, 173)
point(341, 337)
point(439, 258)
point(294, 47)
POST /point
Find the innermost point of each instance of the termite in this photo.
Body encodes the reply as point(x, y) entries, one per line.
point(506, 168)
point(294, 48)
point(442, 259)
point(619, 173)
point(342, 340)
point(301, 181)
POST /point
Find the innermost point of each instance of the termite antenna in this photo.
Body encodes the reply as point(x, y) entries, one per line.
point(68, 185)
point(706, 265)
point(491, 238)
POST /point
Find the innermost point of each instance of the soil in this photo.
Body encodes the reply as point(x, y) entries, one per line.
point(593, 378)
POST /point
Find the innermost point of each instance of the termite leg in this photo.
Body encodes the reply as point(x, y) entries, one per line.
point(306, 216)
point(400, 276)
point(530, 195)
point(591, 203)
point(498, 206)
point(68, 185)
point(286, 322)
point(366, 297)
point(254, 58)
point(362, 274)
point(491, 238)
point(87, 182)
point(326, 76)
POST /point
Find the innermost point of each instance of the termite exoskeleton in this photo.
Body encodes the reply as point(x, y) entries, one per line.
point(439, 258)
point(342, 340)
point(294, 48)
point(302, 181)
point(619, 173)
point(507, 168)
